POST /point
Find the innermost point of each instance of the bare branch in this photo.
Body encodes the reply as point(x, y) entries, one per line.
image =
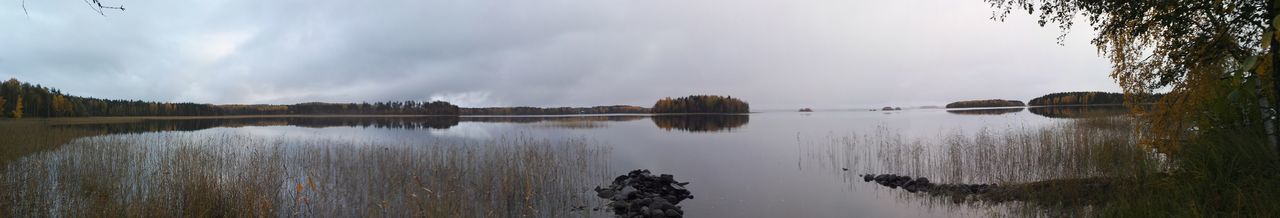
point(97, 6)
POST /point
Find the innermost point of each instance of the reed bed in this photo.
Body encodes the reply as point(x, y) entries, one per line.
point(1024, 158)
point(179, 174)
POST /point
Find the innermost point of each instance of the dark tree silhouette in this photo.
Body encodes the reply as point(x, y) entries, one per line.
point(27, 100)
point(701, 104)
point(986, 103)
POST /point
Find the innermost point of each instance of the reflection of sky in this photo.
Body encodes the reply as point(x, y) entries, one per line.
point(756, 170)
point(471, 130)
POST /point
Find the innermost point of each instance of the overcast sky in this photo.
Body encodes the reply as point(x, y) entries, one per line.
point(774, 54)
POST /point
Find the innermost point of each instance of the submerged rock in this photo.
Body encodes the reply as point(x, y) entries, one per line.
point(923, 184)
point(641, 194)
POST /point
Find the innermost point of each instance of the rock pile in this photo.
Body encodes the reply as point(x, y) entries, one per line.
point(641, 194)
point(922, 184)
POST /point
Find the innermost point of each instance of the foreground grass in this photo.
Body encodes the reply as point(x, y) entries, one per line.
point(227, 175)
point(1092, 167)
point(1225, 174)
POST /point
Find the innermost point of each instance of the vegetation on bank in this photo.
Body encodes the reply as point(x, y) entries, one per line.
point(701, 104)
point(1219, 64)
point(986, 103)
point(20, 99)
point(1089, 98)
point(1078, 98)
point(615, 109)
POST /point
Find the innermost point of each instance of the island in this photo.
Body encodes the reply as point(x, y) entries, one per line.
point(701, 104)
point(986, 103)
point(806, 110)
point(1088, 98)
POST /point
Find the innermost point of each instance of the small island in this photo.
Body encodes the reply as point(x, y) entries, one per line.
point(887, 108)
point(806, 110)
point(701, 104)
point(986, 103)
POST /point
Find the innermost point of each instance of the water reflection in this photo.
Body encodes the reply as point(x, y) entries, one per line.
point(543, 119)
point(1079, 111)
point(563, 122)
point(993, 111)
point(156, 125)
point(356, 169)
point(692, 123)
point(701, 123)
point(220, 173)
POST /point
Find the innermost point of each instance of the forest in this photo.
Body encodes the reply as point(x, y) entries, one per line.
point(616, 109)
point(1085, 98)
point(986, 103)
point(701, 104)
point(20, 99)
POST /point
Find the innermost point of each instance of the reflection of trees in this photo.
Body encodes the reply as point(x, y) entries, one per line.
point(986, 111)
point(1079, 111)
point(390, 122)
point(155, 125)
point(566, 122)
point(537, 119)
point(701, 123)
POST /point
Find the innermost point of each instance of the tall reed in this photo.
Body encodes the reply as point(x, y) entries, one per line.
point(191, 174)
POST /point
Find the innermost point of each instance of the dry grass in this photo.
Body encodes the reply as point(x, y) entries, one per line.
point(1061, 169)
point(187, 174)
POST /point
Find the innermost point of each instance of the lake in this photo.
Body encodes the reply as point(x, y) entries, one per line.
point(769, 164)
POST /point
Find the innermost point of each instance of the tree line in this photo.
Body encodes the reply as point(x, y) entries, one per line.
point(1086, 98)
point(19, 99)
point(701, 104)
point(1078, 98)
point(986, 103)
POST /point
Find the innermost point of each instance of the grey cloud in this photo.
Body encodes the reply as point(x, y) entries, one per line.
point(775, 54)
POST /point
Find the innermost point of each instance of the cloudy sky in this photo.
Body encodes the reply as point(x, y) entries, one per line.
point(774, 54)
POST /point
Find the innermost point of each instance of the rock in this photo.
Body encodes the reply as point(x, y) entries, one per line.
point(626, 191)
point(923, 184)
point(606, 193)
point(641, 194)
point(673, 213)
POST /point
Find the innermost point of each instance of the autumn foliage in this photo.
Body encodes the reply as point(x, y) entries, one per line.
point(701, 104)
point(1078, 98)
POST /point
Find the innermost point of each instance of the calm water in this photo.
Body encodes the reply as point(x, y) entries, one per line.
point(773, 164)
